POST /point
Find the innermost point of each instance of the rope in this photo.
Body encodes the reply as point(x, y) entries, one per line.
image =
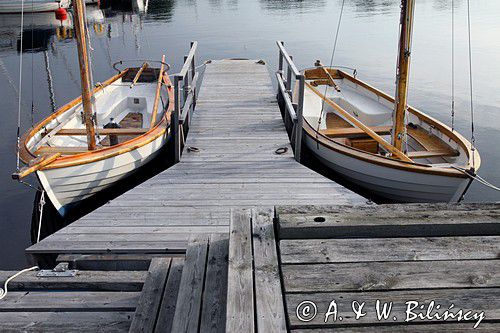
point(18, 158)
point(452, 65)
point(32, 65)
point(41, 203)
point(334, 49)
point(476, 177)
point(49, 82)
point(4, 291)
point(473, 139)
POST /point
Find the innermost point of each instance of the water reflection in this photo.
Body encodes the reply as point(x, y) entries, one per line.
point(160, 10)
point(281, 6)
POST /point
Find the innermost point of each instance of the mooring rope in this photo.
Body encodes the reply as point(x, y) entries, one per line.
point(476, 177)
point(4, 291)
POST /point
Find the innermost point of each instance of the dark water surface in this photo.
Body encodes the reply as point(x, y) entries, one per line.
point(249, 29)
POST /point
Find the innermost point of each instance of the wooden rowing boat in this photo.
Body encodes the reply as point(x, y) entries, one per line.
point(101, 137)
point(56, 148)
point(380, 143)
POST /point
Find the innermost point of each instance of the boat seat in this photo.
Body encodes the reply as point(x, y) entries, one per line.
point(103, 131)
point(333, 120)
point(434, 153)
point(430, 142)
point(45, 150)
point(354, 132)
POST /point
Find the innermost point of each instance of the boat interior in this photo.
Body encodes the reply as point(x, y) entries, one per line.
point(350, 101)
point(124, 110)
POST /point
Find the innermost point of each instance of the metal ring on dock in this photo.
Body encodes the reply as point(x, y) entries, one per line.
point(193, 149)
point(281, 150)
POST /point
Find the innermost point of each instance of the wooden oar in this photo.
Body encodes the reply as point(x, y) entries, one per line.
point(138, 75)
point(328, 76)
point(390, 148)
point(157, 95)
point(37, 164)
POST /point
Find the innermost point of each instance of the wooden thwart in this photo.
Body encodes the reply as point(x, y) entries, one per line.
point(354, 132)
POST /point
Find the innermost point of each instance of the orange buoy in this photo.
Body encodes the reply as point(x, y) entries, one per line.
point(61, 14)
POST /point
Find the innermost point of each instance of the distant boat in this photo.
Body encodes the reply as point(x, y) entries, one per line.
point(31, 6)
point(378, 142)
point(86, 146)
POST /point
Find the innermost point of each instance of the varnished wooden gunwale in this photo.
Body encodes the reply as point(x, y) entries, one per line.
point(93, 156)
point(387, 161)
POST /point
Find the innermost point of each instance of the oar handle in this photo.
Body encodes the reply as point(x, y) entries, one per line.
point(39, 164)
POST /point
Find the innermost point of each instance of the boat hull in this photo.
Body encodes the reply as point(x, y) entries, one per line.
point(395, 185)
point(70, 185)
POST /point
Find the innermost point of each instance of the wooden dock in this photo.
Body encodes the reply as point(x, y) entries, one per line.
point(274, 260)
point(230, 159)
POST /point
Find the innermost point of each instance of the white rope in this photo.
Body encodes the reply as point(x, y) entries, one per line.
point(41, 203)
point(4, 291)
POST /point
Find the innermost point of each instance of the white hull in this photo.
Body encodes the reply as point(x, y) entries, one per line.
point(35, 6)
point(389, 183)
point(66, 186)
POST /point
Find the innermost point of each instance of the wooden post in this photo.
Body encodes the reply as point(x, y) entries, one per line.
point(193, 73)
point(402, 72)
point(83, 60)
point(300, 119)
point(174, 125)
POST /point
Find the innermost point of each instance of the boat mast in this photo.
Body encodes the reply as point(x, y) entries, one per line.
point(83, 60)
point(402, 72)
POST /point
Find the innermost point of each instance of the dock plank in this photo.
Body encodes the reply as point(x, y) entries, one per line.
point(240, 294)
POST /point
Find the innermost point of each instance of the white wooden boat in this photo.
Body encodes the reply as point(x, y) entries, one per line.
point(75, 173)
point(101, 137)
point(351, 127)
point(31, 6)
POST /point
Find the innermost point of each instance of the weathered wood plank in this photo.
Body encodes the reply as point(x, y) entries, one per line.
point(307, 278)
point(407, 328)
point(389, 249)
point(270, 312)
point(389, 221)
point(53, 301)
point(149, 303)
point(84, 280)
point(240, 295)
point(189, 300)
point(477, 300)
point(65, 321)
point(167, 309)
point(213, 316)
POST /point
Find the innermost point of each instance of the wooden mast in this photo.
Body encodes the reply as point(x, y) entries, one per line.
point(83, 60)
point(402, 72)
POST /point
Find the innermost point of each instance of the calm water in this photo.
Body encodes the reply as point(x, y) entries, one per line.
point(249, 29)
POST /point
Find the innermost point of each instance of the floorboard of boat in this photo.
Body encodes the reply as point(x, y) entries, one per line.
point(237, 128)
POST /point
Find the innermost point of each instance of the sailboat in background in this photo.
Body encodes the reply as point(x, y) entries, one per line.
point(379, 142)
point(101, 137)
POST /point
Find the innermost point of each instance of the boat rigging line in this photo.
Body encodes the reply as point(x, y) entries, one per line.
point(18, 149)
point(473, 138)
point(452, 65)
point(334, 49)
